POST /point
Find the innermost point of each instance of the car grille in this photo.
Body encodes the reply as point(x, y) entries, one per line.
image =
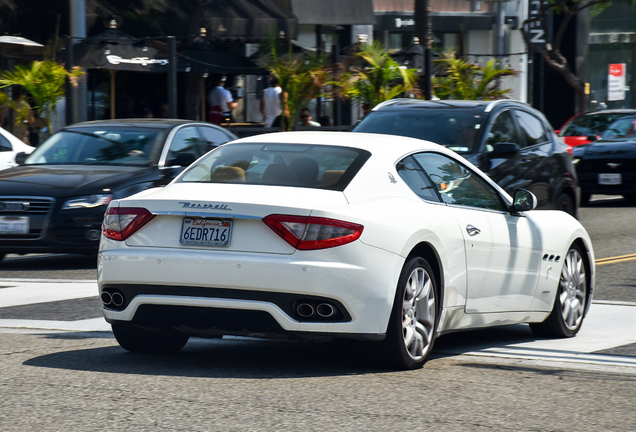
point(37, 209)
point(622, 166)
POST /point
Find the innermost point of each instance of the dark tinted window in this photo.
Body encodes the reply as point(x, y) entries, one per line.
point(457, 129)
point(457, 184)
point(100, 145)
point(415, 178)
point(299, 165)
point(502, 130)
point(212, 137)
point(589, 124)
point(531, 128)
point(186, 147)
point(5, 145)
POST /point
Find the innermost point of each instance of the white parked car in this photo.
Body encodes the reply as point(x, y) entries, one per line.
point(10, 146)
point(338, 235)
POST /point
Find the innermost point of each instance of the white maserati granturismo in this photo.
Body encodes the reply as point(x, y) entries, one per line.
point(318, 235)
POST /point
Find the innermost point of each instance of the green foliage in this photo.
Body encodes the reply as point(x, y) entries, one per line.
point(468, 81)
point(377, 78)
point(301, 78)
point(44, 82)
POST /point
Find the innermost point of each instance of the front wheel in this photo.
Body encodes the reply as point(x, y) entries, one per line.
point(411, 330)
point(566, 317)
point(138, 340)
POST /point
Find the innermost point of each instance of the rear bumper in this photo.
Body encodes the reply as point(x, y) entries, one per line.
point(178, 285)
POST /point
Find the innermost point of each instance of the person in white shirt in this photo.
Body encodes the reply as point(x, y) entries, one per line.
point(271, 104)
point(306, 118)
point(221, 97)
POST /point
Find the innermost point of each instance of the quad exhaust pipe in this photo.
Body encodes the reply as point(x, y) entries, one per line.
point(112, 299)
point(323, 310)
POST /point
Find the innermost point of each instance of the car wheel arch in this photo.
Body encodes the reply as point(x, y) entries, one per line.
point(588, 269)
point(429, 253)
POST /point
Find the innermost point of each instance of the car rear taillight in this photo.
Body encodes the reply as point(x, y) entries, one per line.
point(122, 222)
point(309, 233)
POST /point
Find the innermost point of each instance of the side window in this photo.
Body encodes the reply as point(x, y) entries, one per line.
point(186, 147)
point(457, 184)
point(531, 128)
point(415, 178)
point(5, 145)
point(502, 130)
point(212, 138)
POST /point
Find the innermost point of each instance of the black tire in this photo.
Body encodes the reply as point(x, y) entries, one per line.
point(565, 203)
point(138, 340)
point(567, 314)
point(411, 332)
point(630, 198)
point(585, 198)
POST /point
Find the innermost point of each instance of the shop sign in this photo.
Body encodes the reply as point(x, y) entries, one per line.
point(616, 82)
point(535, 29)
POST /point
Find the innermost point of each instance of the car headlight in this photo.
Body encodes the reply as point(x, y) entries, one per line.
point(576, 160)
point(88, 201)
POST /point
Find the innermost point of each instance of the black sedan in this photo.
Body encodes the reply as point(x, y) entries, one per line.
point(607, 167)
point(54, 202)
point(510, 141)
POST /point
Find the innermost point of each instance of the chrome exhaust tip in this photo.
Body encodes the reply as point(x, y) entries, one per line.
point(325, 310)
point(118, 299)
point(107, 299)
point(305, 310)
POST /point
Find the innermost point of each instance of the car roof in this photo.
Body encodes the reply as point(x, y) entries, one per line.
point(609, 111)
point(403, 104)
point(159, 123)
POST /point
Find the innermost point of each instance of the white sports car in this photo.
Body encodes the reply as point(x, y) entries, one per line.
point(318, 235)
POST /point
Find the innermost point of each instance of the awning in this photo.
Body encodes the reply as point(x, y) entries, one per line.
point(334, 12)
point(17, 40)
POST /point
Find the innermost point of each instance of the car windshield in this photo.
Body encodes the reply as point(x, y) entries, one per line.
point(297, 165)
point(97, 146)
point(589, 124)
point(621, 129)
point(457, 129)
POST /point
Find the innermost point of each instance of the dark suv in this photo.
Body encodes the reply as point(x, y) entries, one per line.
point(510, 141)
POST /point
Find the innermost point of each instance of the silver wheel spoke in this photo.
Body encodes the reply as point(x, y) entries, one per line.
point(418, 314)
point(572, 288)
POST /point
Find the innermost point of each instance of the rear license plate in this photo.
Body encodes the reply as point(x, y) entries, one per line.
point(14, 224)
point(609, 179)
point(206, 232)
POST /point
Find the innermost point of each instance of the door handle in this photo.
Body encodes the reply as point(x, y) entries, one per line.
point(471, 230)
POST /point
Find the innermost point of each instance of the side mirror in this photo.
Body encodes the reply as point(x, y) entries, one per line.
point(20, 158)
point(504, 150)
point(524, 201)
point(592, 138)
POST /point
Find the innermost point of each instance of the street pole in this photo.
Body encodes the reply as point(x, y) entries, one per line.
point(172, 76)
point(76, 101)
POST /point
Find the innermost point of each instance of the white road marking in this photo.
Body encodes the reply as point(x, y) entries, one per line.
point(608, 325)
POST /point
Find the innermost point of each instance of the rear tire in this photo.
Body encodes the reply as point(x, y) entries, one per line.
point(411, 330)
point(565, 203)
point(138, 340)
point(566, 317)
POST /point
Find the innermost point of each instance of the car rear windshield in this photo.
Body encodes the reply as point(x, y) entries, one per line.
point(459, 129)
point(97, 146)
point(589, 124)
point(296, 165)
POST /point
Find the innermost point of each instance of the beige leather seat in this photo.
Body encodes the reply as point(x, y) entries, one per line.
point(228, 174)
point(330, 177)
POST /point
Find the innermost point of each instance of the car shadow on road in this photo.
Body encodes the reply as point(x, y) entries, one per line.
point(263, 359)
point(221, 358)
point(33, 262)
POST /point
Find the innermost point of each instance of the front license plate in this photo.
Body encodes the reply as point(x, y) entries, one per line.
point(609, 179)
point(206, 232)
point(14, 225)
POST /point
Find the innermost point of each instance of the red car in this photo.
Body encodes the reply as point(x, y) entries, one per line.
point(579, 128)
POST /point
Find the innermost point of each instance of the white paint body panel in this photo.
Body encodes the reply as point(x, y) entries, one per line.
point(499, 279)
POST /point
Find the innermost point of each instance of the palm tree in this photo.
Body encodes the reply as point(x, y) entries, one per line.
point(377, 78)
point(468, 81)
point(44, 81)
point(301, 77)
